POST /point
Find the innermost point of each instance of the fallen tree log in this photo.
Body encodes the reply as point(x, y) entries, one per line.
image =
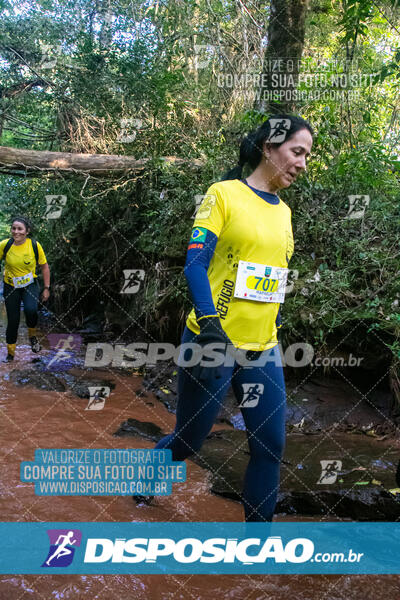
point(17, 161)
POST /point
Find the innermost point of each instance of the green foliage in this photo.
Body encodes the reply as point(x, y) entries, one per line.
point(355, 19)
point(348, 268)
point(141, 63)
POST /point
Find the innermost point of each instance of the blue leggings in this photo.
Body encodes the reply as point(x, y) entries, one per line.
point(13, 297)
point(198, 408)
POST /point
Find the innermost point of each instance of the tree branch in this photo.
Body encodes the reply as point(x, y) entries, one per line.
point(20, 88)
point(43, 162)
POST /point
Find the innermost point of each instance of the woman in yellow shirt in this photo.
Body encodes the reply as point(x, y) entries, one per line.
point(21, 255)
point(236, 269)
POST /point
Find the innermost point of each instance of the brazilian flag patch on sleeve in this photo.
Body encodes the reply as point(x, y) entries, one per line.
point(199, 234)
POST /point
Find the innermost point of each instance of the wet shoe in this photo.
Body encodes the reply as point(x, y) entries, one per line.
point(35, 344)
point(8, 358)
point(143, 499)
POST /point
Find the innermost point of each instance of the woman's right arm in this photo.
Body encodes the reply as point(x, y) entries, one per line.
point(198, 258)
point(208, 224)
point(2, 246)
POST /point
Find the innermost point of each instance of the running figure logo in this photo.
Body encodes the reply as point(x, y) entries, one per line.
point(330, 471)
point(279, 129)
point(128, 131)
point(203, 53)
point(54, 206)
point(98, 397)
point(133, 279)
point(251, 394)
point(357, 206)
point(50, 55)
point(64, 346)
point(204, 205)
point(62, 547)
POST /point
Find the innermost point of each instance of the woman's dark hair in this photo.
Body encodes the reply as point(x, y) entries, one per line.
point(25, 221)
point(251, 148)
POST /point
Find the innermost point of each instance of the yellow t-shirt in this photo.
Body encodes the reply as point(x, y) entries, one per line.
point(20, 260)
point(248, 229)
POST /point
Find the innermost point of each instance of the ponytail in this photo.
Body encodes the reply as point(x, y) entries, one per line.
point(235, 173)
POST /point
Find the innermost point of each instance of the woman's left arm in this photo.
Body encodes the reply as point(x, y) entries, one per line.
point(46, 278)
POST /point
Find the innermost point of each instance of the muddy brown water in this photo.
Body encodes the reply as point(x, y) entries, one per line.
point(33, 419)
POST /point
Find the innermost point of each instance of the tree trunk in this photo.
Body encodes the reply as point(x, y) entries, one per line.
point(105, 36)
point(286, 31)
point(20, 162)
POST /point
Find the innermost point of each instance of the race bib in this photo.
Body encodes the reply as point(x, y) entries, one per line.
point(23, 280)
point(259, 282)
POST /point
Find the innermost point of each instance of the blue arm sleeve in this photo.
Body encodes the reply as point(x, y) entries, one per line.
point(197, 262)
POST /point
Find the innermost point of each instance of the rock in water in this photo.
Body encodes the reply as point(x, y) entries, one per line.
point(341, 475)
point(38, 379)
point(145, 429)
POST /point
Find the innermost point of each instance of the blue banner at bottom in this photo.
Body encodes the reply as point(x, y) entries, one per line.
point(191, 548)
